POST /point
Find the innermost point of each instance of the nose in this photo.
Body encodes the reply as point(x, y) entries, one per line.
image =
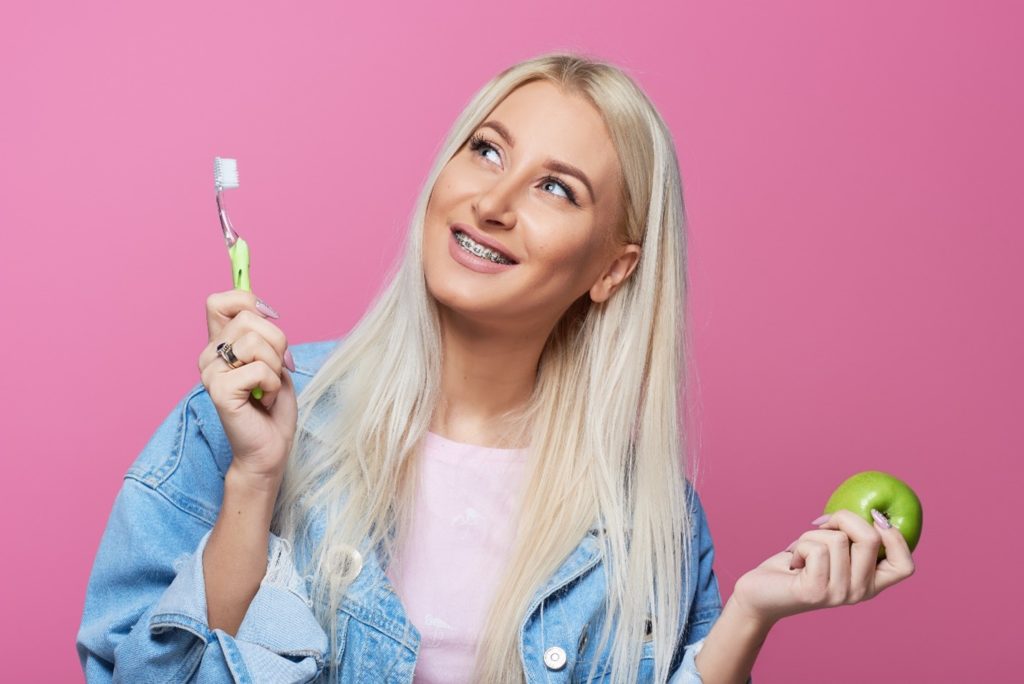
point(495, 203)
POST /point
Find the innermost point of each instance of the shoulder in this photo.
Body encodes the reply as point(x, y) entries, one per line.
point(187, 456)
point(703, 592)
point(695, 510)
point(310, 356)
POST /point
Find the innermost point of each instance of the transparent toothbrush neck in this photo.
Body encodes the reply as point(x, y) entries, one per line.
point(230, 236)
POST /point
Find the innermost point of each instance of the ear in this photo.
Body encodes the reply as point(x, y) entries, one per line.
point(616, 273)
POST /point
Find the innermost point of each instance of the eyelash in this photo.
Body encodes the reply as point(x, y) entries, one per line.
point(477, 142)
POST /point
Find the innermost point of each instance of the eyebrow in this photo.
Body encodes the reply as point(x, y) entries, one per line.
point(551, 164)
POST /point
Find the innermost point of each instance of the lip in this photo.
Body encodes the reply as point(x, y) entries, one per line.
point(482, 239)
point(473, 262)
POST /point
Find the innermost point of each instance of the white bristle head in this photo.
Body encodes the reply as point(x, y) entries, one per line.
point(225, 172)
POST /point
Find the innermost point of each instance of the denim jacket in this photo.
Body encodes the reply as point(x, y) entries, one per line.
point(145, 615)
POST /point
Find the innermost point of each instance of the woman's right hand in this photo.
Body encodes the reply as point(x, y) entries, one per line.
point(260, 431)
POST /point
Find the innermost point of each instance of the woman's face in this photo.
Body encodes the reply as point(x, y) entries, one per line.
point(511, 186)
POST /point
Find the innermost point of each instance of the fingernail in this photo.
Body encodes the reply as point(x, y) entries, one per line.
point(266, 309)
point(818, 521)
point(288, 360)
point(880, 519)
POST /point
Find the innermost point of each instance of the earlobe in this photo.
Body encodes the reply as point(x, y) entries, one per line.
point(600, 291)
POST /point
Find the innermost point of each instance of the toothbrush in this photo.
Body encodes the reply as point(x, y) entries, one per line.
point(225, 177)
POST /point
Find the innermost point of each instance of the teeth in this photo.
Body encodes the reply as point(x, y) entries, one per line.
point(476, 248)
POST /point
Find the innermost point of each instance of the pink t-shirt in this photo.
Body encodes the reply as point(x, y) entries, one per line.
point(460, 535)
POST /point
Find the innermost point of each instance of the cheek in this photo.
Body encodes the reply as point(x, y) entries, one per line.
point(438, 208)
point(436, 196)
point(450, 183)
point(572, 259)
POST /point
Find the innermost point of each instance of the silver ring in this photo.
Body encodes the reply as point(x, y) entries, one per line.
point(224, 350)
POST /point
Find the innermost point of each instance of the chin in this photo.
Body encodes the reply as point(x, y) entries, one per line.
point(464, 301)
point(461, 299)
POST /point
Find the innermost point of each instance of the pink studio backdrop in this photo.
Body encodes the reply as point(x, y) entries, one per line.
point(852, 177)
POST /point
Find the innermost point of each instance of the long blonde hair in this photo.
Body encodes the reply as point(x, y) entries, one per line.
point(602, 426)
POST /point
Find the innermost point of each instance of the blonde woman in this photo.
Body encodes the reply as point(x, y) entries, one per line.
point(484, 480)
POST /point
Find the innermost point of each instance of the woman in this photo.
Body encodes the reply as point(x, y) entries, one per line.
point(525, 360)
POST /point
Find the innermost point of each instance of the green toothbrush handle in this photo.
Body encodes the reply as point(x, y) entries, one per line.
point(240, 274)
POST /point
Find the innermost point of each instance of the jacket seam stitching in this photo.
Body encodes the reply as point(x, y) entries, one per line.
point(163, 495)
point(182, 431)
point(582, 570)
point(192, 662)
point(378, 627)
point(158, 474)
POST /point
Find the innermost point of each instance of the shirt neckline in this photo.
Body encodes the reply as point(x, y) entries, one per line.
point(436, 440)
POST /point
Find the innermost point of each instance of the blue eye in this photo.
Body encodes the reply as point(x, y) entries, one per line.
point(568, 192)
point(478, 142)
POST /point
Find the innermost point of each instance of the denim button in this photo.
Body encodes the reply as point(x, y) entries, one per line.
point(554, 658)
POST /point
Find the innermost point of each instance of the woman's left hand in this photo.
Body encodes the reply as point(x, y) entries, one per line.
point(834, 565)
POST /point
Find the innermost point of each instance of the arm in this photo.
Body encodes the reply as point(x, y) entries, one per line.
point(235, 559)
point(145, 615)
point(730, 649)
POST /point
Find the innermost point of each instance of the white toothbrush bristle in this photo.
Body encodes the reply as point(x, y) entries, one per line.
point(225, 172)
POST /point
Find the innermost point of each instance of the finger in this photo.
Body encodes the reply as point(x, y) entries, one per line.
point(838, 545)
point(243, 323)
point(234, 387)
point(863, 551)
point(270, 383)
point(285, 408)
point(221, 307)
point(250, 349)
point(810, 558)
point(247, 321)
point(898, 563)
point(250, 346)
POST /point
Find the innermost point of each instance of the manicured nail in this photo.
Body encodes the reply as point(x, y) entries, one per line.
point(818, 521)
point(880, 519)
point(266, 309)
point(288, 360)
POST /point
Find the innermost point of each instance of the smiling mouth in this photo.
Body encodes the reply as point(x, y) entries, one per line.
point(468, 244)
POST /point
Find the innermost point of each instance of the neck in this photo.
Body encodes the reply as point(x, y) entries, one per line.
point(485, 372)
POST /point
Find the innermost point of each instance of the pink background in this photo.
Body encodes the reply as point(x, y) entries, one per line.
point(852, 176)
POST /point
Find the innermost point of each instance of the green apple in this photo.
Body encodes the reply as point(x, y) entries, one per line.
point(889, 495)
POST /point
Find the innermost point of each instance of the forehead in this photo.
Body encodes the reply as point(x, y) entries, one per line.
point(548, 123)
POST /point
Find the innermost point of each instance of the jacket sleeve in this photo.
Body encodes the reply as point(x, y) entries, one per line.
point(706, 601)
point(145, 614)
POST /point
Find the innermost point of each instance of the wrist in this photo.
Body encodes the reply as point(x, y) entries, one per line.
point(254, 484)
point(733, 644)
point(758, 623)
point(248, 504)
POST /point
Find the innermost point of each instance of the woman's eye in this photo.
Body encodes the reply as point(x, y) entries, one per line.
point(478, 143)
point(488, 148)
point(552, 181)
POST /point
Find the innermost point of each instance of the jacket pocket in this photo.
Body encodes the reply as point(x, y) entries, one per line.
point(371, 647)
point(603, 671)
